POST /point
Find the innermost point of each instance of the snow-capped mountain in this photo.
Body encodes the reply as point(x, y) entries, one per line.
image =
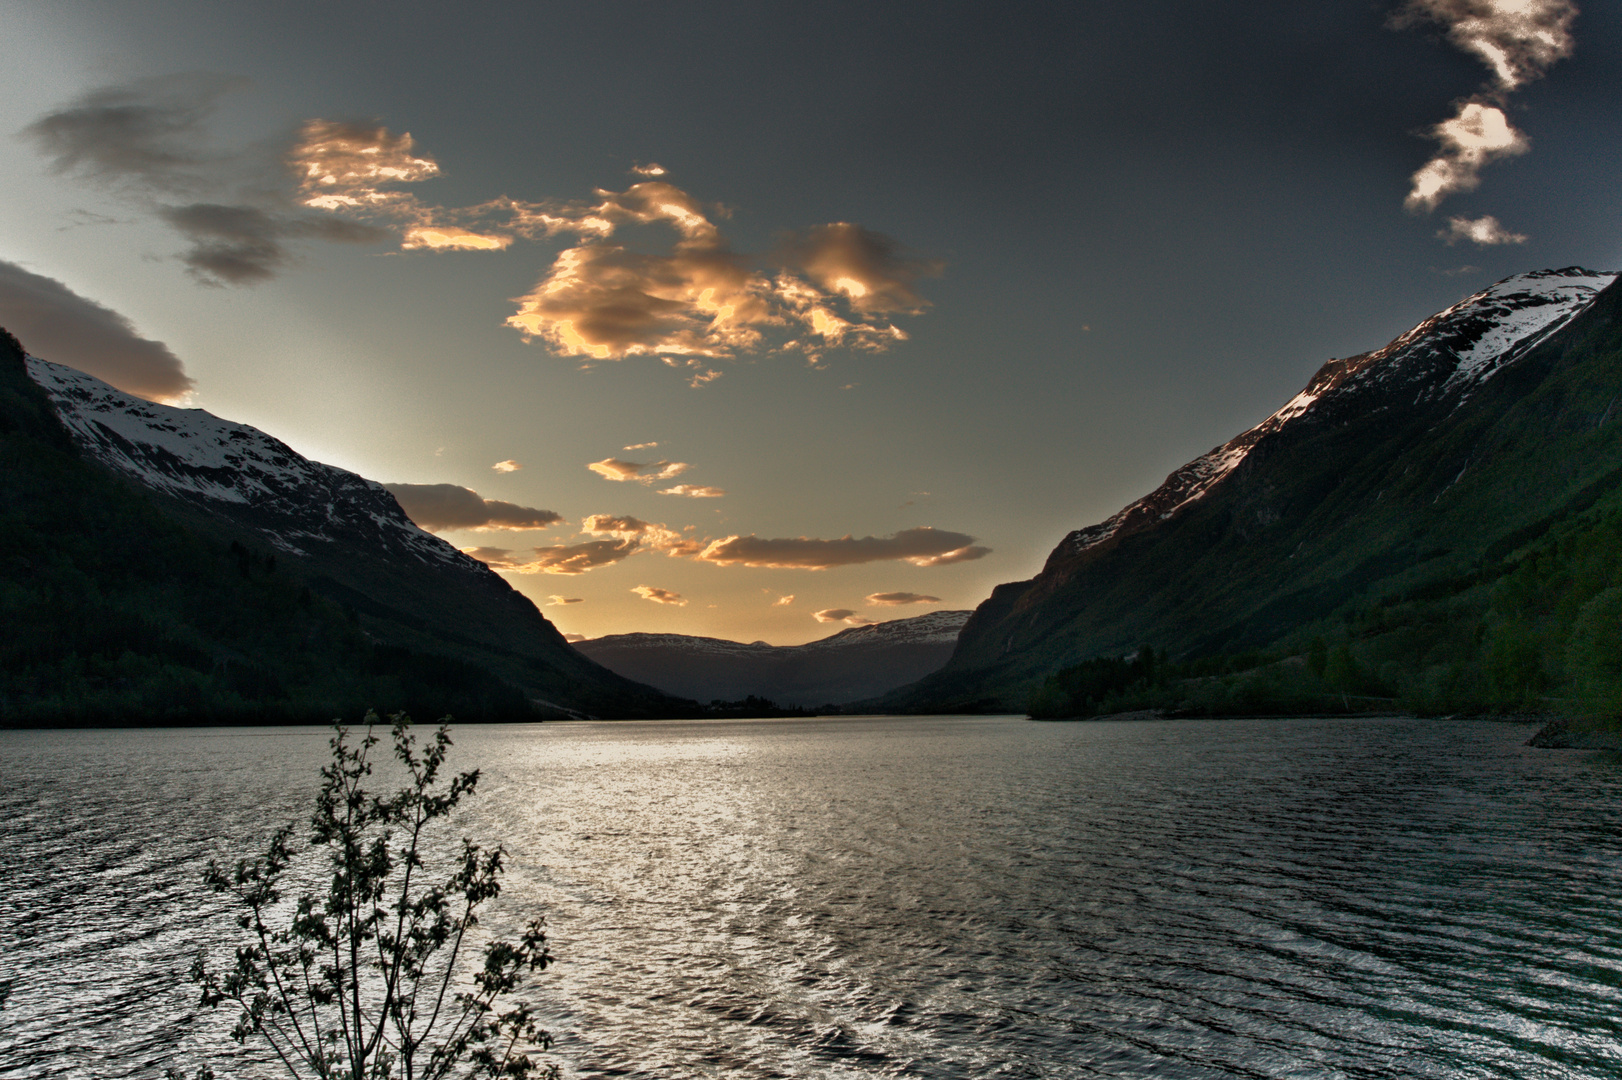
point(1466, 431)
point(345, 536)
point(1446, 357)
point(235, 470)
point(855, 663)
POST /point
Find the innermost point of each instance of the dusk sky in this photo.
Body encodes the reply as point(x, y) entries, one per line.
point(735, 314)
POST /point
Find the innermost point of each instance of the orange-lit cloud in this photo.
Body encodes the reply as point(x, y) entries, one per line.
point(441, 507)
point(641, 472)
point(921, 547)
point(650, 169)
point(574, 637)
point(506, 466)
point(653, 536)
point(343, 166)
point(558, 559)
point(1483, 231)
point(605, 301)
point(946, 558)
point(832, 614)
point(693, 491)
point(783, 601)
point(660, 596)
point(894, 599)
point(642, 446)
point(442, 237)
point(561, 601)
point(860, 620)
point(867, 268)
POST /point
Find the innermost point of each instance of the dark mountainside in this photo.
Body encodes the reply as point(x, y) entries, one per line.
point(163, 566)
point(859, 662)
point(1425, 526)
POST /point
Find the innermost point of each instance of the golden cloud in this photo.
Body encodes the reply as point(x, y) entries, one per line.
point(832, 614)
point(894, 599)
point(867, 268)
point(561, 601)
point(783, 601)
point(559, 559)
point(442, 237)
point(641, 472)
point(660, 596)
point(693, 491)
point(648, 534)
point(921, 547)
point(604, 301)
point(343, 166)
point(506, 466)
point(440, 507)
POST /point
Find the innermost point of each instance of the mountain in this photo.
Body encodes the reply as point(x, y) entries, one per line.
point(860, 662)
point(197, 492)
point(1462, 439)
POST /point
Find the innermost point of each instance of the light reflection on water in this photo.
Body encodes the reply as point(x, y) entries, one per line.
point(921, 897)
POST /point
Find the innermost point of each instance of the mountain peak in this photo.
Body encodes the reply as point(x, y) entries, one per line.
point(1448, 355)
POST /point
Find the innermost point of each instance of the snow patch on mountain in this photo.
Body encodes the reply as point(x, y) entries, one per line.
point(198, 457)
point(1448, 355)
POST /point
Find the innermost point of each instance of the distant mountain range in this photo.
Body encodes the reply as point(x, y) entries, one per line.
point(861, 662)
point(338, 599)
point(1464, 438)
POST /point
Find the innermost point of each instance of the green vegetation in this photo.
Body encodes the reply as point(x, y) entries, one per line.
point(365, 978)
point(1535, 627)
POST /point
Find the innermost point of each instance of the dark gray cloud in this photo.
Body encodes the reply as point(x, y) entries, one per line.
point(921, 547)
point(148, 133)
point(147, 141)
point(240, 245)
point(57, 324)
point(439, 507)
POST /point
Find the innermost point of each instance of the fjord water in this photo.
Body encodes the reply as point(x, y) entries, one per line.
point(867, 897)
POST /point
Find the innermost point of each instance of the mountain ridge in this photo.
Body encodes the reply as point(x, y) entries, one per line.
point(857, 662)
point(1340, 490)
point(343, 536)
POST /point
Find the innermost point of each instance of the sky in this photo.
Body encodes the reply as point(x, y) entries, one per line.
point(758, 321)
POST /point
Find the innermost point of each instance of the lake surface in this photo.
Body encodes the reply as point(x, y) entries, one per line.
point(896, 897)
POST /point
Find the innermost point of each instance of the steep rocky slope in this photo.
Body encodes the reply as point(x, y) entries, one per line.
point(1390, 468)
point(342, 536)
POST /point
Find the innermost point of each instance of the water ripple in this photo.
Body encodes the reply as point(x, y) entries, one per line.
point(896, 897)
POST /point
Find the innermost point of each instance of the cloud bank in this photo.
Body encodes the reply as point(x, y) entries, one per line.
point(895, 599)
point(441, 507)
point(55, 323)
point(921, 547)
